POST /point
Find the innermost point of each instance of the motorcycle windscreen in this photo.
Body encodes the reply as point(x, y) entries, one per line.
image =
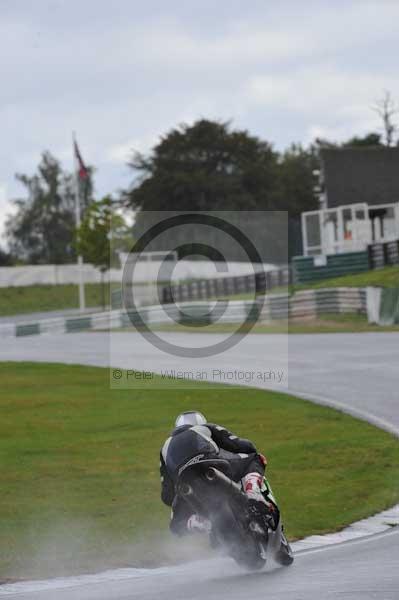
point(184, 446)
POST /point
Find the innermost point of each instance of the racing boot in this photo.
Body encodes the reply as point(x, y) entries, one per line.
point(252, 484)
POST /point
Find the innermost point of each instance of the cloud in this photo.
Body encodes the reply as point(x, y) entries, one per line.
point(334, 103)
point(3, 193)
point(123, 78)
point(122, 153)
point(319, 88)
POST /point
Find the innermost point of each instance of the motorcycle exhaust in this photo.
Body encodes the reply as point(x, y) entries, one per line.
point(214, 475)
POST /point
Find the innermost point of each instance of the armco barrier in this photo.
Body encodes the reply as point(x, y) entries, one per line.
point(302, 305)
point(205, 289)
point(202, 289)
point(383, 254)
point(314, 303)
point(27, 329)
point(310, 304)
point(275, 307)
point(77, 324)
point(232, 312)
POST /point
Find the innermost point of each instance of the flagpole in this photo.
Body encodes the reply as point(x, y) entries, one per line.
point(82, 304)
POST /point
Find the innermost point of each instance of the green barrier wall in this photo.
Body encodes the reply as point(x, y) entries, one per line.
point(28, 329)
point(389, 308)
point(77, 324)
point(116, 299)
point(337, 264)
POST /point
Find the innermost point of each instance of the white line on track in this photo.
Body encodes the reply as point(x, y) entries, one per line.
point(352, 542)
point(350, 410)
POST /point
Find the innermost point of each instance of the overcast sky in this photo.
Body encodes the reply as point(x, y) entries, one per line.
point(123, 73)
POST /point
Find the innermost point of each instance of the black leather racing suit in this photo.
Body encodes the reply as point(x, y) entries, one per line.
point(213, 440)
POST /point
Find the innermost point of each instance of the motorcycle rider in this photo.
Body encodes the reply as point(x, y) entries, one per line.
point(212, 440)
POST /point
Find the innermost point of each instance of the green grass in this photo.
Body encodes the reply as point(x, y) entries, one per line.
point(386, 277)
point(79, 466)
point(40, 298)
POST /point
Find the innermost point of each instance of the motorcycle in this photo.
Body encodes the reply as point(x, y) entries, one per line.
point(238, 527)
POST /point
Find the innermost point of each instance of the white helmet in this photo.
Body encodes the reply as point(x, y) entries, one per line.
point(191, 417)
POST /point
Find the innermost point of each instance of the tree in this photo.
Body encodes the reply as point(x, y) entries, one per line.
point(367, 141)
point(209, 166)
point(93, 238)
point(297, 182)
point(386, 108)
point(42, 229)
point(205, 166)
point(6, 259)
point(296, 166)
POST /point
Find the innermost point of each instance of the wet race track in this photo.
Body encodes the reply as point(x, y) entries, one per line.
point(357, 373)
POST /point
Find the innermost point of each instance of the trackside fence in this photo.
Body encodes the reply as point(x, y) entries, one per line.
point(310, 269)
point(310, 304)
point(305, 304)
point(202, 289)
point(383, 254)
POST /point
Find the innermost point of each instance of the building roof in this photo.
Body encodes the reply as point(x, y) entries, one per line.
point(368, 175)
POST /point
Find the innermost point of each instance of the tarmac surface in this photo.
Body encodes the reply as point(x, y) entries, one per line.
point(358, 373)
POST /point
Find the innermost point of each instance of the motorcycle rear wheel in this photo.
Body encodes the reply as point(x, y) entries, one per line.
point(243, 547)
point(253, 561)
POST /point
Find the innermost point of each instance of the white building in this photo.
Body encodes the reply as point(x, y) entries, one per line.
point(359, 201)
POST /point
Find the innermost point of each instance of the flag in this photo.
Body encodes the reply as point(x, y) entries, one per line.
point(82, 169)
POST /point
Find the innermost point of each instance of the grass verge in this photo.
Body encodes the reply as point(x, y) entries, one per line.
point(41, 298)
point(386, 277)
point(80, 484)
